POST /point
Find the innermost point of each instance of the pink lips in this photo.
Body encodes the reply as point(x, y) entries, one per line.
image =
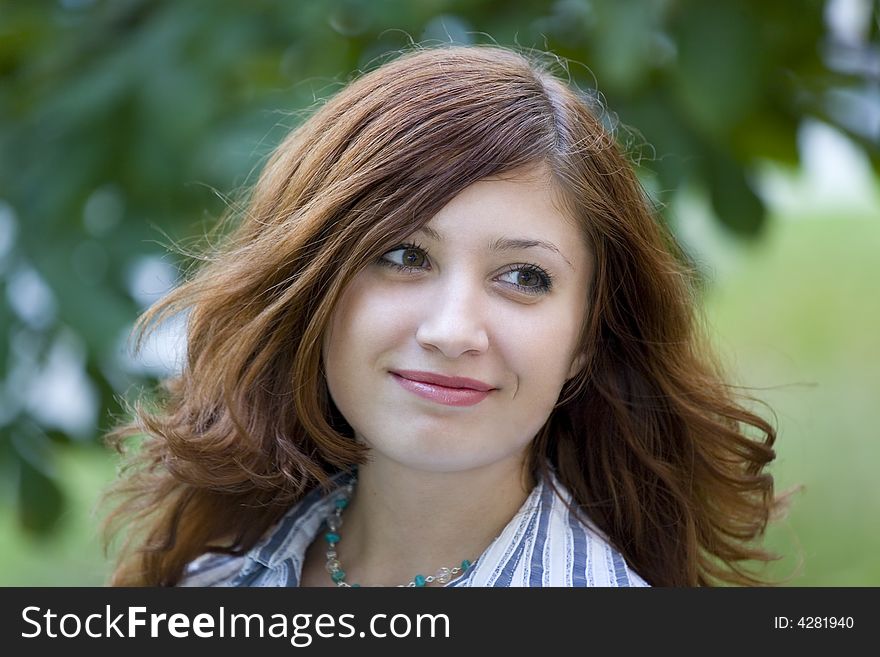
point(448, 390)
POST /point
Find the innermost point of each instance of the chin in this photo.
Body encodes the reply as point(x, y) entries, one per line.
point(450, 461)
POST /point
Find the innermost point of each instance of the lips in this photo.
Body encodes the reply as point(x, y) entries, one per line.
point(440, 390)
point(442, 380)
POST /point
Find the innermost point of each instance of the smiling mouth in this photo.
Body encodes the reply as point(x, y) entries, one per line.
point(442, 394)
point(443, 380)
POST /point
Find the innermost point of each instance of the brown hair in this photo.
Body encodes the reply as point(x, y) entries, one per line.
point(649, 439)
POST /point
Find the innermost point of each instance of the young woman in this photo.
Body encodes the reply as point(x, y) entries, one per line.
point(448, 343)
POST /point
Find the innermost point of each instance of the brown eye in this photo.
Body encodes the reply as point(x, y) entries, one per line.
point(413, 257)
point(405, 257)
point(529, 279)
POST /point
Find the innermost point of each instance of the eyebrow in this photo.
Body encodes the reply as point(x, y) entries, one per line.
point(505, 243)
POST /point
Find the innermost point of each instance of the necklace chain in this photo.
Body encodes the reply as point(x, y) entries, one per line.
point(334, 567)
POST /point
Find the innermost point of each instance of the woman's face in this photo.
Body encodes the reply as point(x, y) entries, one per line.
point(475, 303)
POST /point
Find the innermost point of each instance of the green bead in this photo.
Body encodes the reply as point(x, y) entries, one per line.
point(355, 586)
point(338, 576)
point(418, 580)
point(341, 503)
point(465, 565)
point(332, 538)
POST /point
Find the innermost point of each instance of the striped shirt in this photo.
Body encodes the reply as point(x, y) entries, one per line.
point(544, 544)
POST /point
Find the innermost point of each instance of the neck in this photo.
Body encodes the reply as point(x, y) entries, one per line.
point(402, 522)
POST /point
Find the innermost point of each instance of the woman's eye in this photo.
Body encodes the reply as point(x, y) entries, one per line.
point(529, 279)
point(526, 278)
point(405, 257)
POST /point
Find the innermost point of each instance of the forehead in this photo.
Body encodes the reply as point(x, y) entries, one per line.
point(524, 205)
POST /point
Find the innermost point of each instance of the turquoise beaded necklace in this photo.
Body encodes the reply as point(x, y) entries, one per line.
point(334, 567)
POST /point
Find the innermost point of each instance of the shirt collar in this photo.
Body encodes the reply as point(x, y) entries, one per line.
point(297, 529)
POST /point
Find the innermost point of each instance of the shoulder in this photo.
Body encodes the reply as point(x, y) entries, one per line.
point(547, 544)
point(212, 569)
point(276, 560)
point(595, 561)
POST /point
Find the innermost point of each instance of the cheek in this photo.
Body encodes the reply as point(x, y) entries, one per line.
point(540, 349)
point(363, 322)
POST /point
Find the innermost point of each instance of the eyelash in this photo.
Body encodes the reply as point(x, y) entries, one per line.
point(545, 277)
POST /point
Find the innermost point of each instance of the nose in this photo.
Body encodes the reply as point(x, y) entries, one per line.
point(454, 320)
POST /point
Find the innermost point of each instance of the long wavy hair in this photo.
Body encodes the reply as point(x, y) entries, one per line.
point(650, 440)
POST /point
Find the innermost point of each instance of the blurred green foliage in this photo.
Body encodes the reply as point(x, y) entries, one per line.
point(125, 121)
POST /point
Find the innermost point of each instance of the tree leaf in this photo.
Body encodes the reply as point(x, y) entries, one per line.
point(735, 203)
point(40, 498)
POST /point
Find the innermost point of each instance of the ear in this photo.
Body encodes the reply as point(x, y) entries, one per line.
point(577, 365)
